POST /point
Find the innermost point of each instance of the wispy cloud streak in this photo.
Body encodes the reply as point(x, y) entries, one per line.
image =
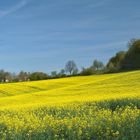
point(13, 9)
point(99, 4)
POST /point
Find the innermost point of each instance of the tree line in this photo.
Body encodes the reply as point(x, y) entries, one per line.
point(122, 61)
point(70, 69)
point(126, 60)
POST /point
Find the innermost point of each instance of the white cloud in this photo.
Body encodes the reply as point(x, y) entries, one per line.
point(13, 9)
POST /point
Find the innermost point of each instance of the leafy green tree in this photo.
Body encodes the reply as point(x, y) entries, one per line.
point(97, 65)
point(131, 60)
point(54, 74)
point(38, 76)
point(5, 76)
point(87, 71)
point(114, 63)
point(62, 73)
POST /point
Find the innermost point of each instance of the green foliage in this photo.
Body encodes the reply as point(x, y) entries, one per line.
point(124, 61)
point(23, 76)
point(114, 63)
point(97, 65)
point(96, 68)
point(100, 107)
point(5, 76)
point(76, 121)
point(87, 71)
point(132, 57)
point(38, 76)
point(54, 74)
point(62, 73)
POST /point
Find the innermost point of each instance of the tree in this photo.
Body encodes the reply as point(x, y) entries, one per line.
point(54, 74)
point(97, 65)
point(38, 76)
point(75, 72)
point(5, 76)
point(87, 71)
point(23, 76)
point(71, 67)
point(14, 77)
point(131, 60)
point(115, 62)
point(62, 73)
point(8, 77)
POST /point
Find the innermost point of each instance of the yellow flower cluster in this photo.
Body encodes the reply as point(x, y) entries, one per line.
point(101, 107)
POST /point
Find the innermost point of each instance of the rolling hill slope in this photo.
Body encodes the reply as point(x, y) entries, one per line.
point(88, 88)
point(90, 107)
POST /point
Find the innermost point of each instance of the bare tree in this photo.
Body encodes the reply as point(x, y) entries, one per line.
point(23, 76)
point(71, 67)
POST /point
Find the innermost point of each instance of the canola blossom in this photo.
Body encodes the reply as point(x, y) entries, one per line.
point(98, 107)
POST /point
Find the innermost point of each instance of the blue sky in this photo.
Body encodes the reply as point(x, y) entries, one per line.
point(41, 35)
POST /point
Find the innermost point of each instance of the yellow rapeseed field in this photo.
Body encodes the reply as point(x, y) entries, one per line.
point(79, 108)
